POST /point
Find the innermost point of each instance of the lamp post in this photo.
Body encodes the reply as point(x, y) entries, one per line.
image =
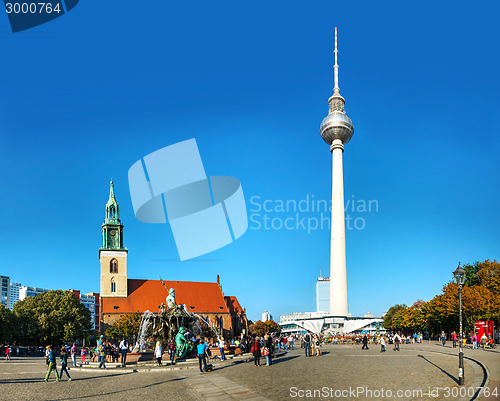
point(459, 275)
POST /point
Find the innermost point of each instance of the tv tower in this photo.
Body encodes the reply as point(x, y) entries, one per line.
point(336, 130)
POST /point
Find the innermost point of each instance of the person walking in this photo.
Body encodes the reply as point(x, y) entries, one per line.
point(158, 352)
point(365, 342)
point(290, 342)
point(443, 338)
point(74, 351)
point(123, 351)
point(171, 349)
point(222, 348)
point(202, 359)
point(307, 344)
point(255, 350)
point(64, 363)
point(382, 344)
point(52, 363)
point(8, 350)
point(397, 340)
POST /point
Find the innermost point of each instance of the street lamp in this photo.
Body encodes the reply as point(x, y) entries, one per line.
point(459, 275)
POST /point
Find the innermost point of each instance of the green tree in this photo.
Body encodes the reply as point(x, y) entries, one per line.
point(471, 274)
point(53, 317)
point(7, 324)
point(127, 326)
point(388, 317)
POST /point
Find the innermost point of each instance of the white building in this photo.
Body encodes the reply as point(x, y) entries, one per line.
point(26, 291)
point(323, 294)
point(14, 293)
point(319, 322)
point(266, 316)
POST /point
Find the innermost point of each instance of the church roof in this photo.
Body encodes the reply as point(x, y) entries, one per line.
point(149, 294)
point(233, 305)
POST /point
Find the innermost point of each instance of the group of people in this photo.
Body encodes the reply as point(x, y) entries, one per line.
point(51, 361)
point(263, 346)
point(485, 340)
point(312, 344)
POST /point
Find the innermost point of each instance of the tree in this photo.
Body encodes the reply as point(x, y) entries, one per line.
point(125, 327)
point(258, 328)
point(388, 317)
point(489, 276)
point(6, 324)
point(272, 327)
point(478, 303)
point(53, 317)
point(413, 318)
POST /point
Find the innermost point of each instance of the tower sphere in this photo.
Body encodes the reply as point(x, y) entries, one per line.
point(336, 125)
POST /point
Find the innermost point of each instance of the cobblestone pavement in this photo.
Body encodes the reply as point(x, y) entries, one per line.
point(344, 372)
point(419, 374)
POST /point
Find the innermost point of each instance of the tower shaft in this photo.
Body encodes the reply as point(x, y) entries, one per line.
point(338, 269)
point(336, 130)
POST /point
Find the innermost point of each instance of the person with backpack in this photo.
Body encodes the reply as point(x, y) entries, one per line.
point(84, 354)
point(64, 362)
point(484, 340)
point(397, 340)
point(307, 344)
point(255, 350)
point(317, 345)
point(52, 363)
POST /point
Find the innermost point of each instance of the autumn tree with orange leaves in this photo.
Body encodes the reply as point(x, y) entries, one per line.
point(480, 301)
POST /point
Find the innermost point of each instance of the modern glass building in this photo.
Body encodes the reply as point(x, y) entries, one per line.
point(14, 293)
point(4, 290)
point(323, 294)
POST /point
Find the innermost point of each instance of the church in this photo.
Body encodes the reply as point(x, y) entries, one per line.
point(121, 295)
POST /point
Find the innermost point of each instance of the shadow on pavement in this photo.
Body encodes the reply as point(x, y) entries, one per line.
point(52, 378)
point(441, 369)
point(119, 391)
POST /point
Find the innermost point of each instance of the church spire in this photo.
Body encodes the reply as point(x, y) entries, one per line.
point(111, 190)
point(112, 229)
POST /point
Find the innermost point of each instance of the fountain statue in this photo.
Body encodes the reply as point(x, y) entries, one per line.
point(172, 323)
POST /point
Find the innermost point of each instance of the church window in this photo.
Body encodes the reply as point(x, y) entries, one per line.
point(113, 266)
point(112, 212)
point(113, 285)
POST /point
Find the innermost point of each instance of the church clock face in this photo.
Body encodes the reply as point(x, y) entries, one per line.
point(113, 232)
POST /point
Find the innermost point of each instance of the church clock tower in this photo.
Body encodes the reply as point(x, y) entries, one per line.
point(112, 254)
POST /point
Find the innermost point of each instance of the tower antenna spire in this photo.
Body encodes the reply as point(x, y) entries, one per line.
point(336, 89)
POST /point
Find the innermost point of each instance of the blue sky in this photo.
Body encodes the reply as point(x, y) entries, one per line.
point(85, 96)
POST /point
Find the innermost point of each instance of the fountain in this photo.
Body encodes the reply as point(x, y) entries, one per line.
point(172, 323)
